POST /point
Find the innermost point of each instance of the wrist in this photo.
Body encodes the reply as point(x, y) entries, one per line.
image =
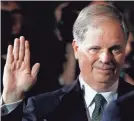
point(10, 97)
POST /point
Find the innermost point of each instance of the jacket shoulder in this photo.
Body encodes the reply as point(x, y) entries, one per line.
point(57, 94)
point(47, 102)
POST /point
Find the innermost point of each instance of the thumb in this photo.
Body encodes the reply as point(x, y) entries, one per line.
point(35, 70)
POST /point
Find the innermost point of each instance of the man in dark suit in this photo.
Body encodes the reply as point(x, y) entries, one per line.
point(99, 43)
point(121, 109)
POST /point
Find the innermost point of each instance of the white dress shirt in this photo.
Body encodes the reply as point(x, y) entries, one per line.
point(90, 93)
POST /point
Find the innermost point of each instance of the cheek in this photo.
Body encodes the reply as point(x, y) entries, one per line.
point(120, 60)
point(86, 62)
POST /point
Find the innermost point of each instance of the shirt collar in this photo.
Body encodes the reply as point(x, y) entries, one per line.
point(90, 93)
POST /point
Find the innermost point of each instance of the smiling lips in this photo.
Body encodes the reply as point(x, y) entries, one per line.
point(106, 68)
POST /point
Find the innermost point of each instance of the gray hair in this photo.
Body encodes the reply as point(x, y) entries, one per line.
point(92, 14)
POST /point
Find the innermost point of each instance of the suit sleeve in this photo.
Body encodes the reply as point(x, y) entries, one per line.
point(23, 112)
point(33, 109)
point(15, 115)
point(8, 108)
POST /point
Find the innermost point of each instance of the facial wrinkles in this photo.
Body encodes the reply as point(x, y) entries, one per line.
point(112, 34)
point(103, 36)
point(111, 37)
point(93, 36)
point(100, 37)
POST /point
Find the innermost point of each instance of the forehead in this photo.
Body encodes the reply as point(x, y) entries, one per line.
point(105, 32)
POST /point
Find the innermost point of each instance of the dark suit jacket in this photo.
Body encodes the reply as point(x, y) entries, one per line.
point(65, 104)
point(121, 109)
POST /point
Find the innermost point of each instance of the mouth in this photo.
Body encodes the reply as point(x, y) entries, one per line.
point(105, 70)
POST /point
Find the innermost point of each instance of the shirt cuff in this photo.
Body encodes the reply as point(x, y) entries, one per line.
point(7, 108)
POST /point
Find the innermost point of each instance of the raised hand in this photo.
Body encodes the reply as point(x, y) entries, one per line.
point(18, 76)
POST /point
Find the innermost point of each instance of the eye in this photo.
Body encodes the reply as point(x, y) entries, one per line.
point(116, 50)
point(94, 50)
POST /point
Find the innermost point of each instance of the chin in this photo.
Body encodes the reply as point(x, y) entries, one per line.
point(105, 79)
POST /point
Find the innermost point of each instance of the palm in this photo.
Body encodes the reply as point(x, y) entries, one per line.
point(18, 77)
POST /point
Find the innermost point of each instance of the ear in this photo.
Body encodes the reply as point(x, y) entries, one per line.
point(75, 47)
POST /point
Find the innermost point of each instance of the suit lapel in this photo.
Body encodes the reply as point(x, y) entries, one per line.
point(76, 109)
point(71, 106)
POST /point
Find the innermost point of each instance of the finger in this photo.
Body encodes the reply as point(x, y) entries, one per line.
point(27, 54)
point(35, 70)
point(22, 48)
point(9, 55)
point(16, 49)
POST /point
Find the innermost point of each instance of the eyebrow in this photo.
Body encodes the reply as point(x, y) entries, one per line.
point(116, 46)
point(112, 47)
point(94, 46)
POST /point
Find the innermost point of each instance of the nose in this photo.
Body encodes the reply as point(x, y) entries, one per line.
point(105, 57)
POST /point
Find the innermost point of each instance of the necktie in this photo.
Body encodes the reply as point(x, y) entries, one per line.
point(99, 105)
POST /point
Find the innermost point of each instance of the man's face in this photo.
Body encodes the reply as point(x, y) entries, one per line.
point(101, 54)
